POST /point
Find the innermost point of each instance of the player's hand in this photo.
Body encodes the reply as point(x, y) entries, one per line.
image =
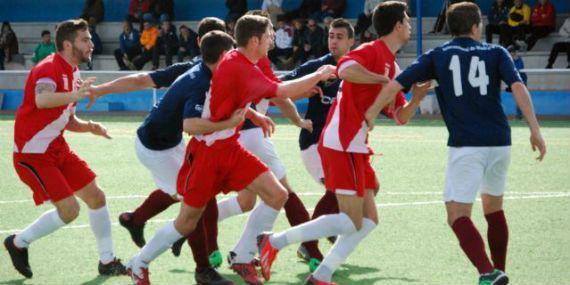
point(315, 91)
point(537, 142)
point(305, 124)
point(98, 129)
point(265, 123)
point(237, 117)
point(84, 90)
point(419, 90)
point(327, 72)
point(370, 118)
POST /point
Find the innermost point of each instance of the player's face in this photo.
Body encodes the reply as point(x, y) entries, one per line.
point(82, 46)
point(405, 29)
point(265, 42)
point(339, 42)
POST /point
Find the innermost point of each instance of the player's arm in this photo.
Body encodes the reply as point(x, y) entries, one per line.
point(354, 72)
point(198, 126)
point(302, 70)
point(77, 125)
point(129, 83)
point(407, 112)
point(262, 121)
point(304, 84)
point(290, 112)
point(387, 95)
point(522, 98)
point(46, 97)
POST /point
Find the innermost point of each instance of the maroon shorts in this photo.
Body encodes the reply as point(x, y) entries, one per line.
point(208, 170)
point(54, 175)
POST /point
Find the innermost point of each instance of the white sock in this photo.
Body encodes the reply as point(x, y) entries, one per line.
point(160, 242)
point(46, 224)
point(101, 226)
point(340, 251)
point(324, 226)
point(261, 219)
point(228, 208)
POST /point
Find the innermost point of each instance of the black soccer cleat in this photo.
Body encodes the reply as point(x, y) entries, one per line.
point(137, 232)
point(209, 276)
point(113, 268)
point(177, 246)
point(19, 257)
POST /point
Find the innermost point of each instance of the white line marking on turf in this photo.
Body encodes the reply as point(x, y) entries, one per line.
point(392, 193)
point(380, 205)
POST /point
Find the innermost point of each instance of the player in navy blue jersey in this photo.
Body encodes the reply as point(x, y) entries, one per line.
point(469, 74)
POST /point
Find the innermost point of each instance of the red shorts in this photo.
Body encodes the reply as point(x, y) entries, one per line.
point(53, 176)
point(347, 173)
point(209, 170)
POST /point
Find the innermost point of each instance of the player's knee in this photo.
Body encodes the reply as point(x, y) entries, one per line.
point(69, 211)
point(185, 226)
point(97, 200)
point(247, 203)
point(452, 217)
point(280, 198)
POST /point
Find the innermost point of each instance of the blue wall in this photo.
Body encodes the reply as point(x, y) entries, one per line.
point(555, 103)
point(115, 10)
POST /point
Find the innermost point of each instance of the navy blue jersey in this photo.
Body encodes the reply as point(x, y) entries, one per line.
point(318, 108)
point(469, 74)
point(162, 128)
point(165, 77)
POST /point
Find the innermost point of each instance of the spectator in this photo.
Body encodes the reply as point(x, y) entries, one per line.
point(519, 65)
point(45, 48)
point(519, 23)
point(305, 10)
point(299, 53)
point(167, 42)
point(137, 8)
point(273, 7)
point(543, 22)
point(148, 40)
point(236, 9)
point(8, 44)
point(93, 9)
point(330, 8)
point(130, 46)
point(97, 44)
point(365, 19)
point(563, 46)
point(440, 21)
point(283, 43)
point(315, 40)
point(327, 24)
point(188, 44)
point(158, 8)
point(498, 22)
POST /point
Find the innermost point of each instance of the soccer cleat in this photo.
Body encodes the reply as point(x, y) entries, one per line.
point(177, 247)
point(303, 253)
point(497, 277)
point(137, 232)
point(313, 281)
point(113, 268)
point(209, 276)
point(267, 254)
point(314, 264)
point(247, 272)
point(216, 259)
point(19, 257)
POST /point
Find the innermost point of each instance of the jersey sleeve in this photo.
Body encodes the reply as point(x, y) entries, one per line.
point(265, 65)
point(419, 71)
point(302, 70)
point(364, 55)
point(165, 77)
point(45, 74)
point(507, 69)
point(193, 107)
point(256, 84)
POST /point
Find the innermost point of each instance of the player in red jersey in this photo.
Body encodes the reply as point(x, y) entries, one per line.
point(44, 161)
point(344, 150)
point(216, 162)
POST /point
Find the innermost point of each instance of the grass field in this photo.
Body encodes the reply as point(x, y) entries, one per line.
point(412, 245)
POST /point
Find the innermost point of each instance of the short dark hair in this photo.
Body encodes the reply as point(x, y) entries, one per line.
point(386, 15)
point(341, 23)
point(67, 31)
point(213, 44)
point(209, 24)
point(258, 12)
point(45, 32)
point(461, 17)
point(250, 26)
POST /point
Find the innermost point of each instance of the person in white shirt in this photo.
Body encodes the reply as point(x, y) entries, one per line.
point(283, 42)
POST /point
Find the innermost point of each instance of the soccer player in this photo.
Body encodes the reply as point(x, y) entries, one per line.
point(343, 146)
point(340, 40)
point(216, 162)
point(469, 74)
point(43, 159)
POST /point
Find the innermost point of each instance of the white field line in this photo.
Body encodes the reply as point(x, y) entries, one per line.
point(379, 205)
point(308, 194)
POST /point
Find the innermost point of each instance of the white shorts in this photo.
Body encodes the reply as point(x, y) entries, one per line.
point(473, 169)
point(164, 165)
point(312, 161)
point(263, 148)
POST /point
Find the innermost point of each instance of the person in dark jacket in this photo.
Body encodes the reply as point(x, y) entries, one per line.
point(305, 10)
point(93, 9)
point(8, 44)
point(130, 46)
point(162, 7)
point(167, 42)
point(498, 22)
point(236, 9)
point(315, 39)
point(188, 41)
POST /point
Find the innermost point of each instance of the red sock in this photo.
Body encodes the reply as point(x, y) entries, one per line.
point(154, 204)
point(197, 242)
point(297, 214)
point(210, 217)
point(326, 205)
point(472, 244)
point(498, 238)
